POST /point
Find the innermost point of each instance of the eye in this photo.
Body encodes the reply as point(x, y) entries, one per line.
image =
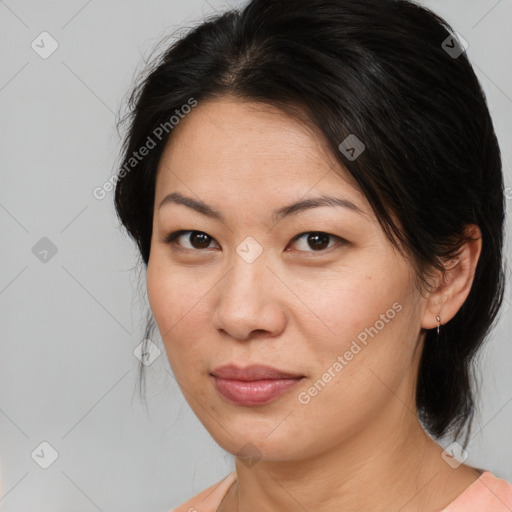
point(196, 239)
point(316, 240)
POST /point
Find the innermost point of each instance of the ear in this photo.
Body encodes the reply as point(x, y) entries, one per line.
point(451, 290)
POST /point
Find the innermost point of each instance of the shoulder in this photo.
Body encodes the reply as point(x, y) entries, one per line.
point(209, 499)
point(497, 489)
point(489, 493)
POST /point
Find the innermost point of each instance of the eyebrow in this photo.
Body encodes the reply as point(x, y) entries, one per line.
point(281, 213)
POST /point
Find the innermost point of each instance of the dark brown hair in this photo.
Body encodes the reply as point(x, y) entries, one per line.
point(392, 73)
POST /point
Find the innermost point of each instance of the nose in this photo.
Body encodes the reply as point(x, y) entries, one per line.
point(250, 300)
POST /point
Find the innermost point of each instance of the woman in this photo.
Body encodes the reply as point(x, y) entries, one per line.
point(315, 188)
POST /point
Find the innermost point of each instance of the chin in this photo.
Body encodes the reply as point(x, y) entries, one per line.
point(252, 445)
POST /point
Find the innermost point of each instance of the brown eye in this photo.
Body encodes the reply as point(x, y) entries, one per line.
point(313, 241)
point(316, 241)
point(195, 239)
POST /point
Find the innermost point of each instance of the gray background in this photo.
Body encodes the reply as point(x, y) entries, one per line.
point(69, 325)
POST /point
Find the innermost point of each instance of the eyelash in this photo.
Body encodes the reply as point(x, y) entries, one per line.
point(170, 239)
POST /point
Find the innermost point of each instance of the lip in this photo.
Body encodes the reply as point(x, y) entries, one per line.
point(253, 385)
point(253, 372)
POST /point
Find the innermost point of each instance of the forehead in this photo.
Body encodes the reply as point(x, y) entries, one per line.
point(251, 149)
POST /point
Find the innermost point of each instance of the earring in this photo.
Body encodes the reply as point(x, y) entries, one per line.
point(438, 323)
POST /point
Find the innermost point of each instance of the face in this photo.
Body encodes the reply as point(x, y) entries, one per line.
point(318, 292)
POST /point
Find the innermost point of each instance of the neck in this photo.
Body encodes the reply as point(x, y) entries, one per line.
point(391, 465)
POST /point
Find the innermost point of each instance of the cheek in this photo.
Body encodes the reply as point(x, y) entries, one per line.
point(349, 302)
point(361, 332)
point(177, 301)
point(171, 293)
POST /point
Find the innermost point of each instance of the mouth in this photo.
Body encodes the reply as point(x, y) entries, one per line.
point(254, 385)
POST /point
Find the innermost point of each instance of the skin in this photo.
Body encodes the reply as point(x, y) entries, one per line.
point(357, 444)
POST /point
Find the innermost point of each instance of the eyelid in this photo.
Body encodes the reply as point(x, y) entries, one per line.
point(341, 241)
point(169, 239)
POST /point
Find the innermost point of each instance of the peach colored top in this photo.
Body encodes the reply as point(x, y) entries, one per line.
point(486, 494)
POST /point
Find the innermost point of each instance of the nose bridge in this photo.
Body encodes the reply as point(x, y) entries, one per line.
point(247, 299)
point(249, 275)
